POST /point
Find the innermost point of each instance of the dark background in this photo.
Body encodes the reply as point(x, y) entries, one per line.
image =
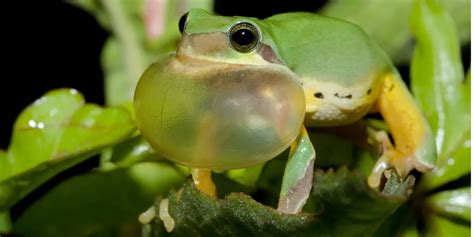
point(52, 44)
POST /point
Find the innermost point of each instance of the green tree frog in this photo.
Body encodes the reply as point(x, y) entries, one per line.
point(239, 90)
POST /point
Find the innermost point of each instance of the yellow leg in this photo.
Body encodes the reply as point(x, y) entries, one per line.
point(203, 181)
point(414, 144)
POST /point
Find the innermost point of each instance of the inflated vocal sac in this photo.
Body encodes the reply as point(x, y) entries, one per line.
point(218, 116)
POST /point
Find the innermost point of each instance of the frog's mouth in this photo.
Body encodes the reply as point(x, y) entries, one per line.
point(215, 47)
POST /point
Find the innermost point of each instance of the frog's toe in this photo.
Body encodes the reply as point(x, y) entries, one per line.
point(391, 157)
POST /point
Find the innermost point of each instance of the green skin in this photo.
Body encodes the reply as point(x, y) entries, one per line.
point(340, 70)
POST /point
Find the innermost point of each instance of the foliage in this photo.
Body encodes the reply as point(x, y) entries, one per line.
point(59, 131)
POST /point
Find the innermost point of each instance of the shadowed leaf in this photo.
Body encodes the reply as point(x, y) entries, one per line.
point(98, 203)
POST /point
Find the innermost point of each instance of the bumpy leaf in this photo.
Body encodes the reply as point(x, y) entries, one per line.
point(437, 77)
point(196, 214)
point(56, 132)
point(452, 203)
point(350, 208)
point(98, 203)
point(346, 206)
point(394, 34)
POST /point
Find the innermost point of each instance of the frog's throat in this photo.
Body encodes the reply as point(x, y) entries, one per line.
point(332, 104)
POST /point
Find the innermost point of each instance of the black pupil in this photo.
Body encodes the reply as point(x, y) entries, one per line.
point(182, 22)
point(243, 37)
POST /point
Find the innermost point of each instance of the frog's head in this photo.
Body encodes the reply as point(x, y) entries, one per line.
point(222, 101)
point(232, 40)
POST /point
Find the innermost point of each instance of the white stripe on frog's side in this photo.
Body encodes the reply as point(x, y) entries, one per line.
point(331, 104)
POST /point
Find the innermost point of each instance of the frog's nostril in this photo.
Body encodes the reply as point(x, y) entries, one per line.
point(319, 95)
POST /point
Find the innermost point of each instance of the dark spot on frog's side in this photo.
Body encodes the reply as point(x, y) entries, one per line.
point(319, 95)
point(343, 97)
point(369, 91)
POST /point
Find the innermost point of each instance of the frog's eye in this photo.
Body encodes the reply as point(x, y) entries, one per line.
point(243, 37)
point(182, 22)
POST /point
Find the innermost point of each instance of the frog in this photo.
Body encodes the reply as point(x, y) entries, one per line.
point(239, 90)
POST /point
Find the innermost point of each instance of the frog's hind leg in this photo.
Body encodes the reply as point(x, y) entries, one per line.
point(414, 146)
point(298, 177)
point(203, 181)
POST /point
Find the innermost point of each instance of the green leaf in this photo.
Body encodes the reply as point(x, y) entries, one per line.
point(400, 223)
point(441, 227)
point(98, 203)
point(452, 203)
point(133, 151)
point(196, 214)
point(457, 166)
point(411, 231)
point(54, 133)
point(350, 208)
point(437, 77)
point(246, 176)
point(347, 207)
point(394, 34)
point(5, 222)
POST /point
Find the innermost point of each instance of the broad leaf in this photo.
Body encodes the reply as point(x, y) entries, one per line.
point(394, 34)
point(400, 223)
point(457, 166)
point(196, 214)
point(437, 77)
point(442, 227)
point(98, 203)
point(350, 208)
point(346, 206)
point(56, 132)
point(452, 203)
point(132, 151)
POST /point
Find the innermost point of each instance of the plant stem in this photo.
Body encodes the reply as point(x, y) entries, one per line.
point(133, 55)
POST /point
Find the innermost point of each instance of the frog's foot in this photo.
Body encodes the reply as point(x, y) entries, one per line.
point(203, 181)
point(414, 143)
point(165, 216)
point(389, 158)
point(147, 216)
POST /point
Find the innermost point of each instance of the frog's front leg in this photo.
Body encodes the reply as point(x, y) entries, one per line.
point(298, 177)
point(414, 146)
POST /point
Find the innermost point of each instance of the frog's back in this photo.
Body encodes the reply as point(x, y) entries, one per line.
point(333, 49)
point(339, 65)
